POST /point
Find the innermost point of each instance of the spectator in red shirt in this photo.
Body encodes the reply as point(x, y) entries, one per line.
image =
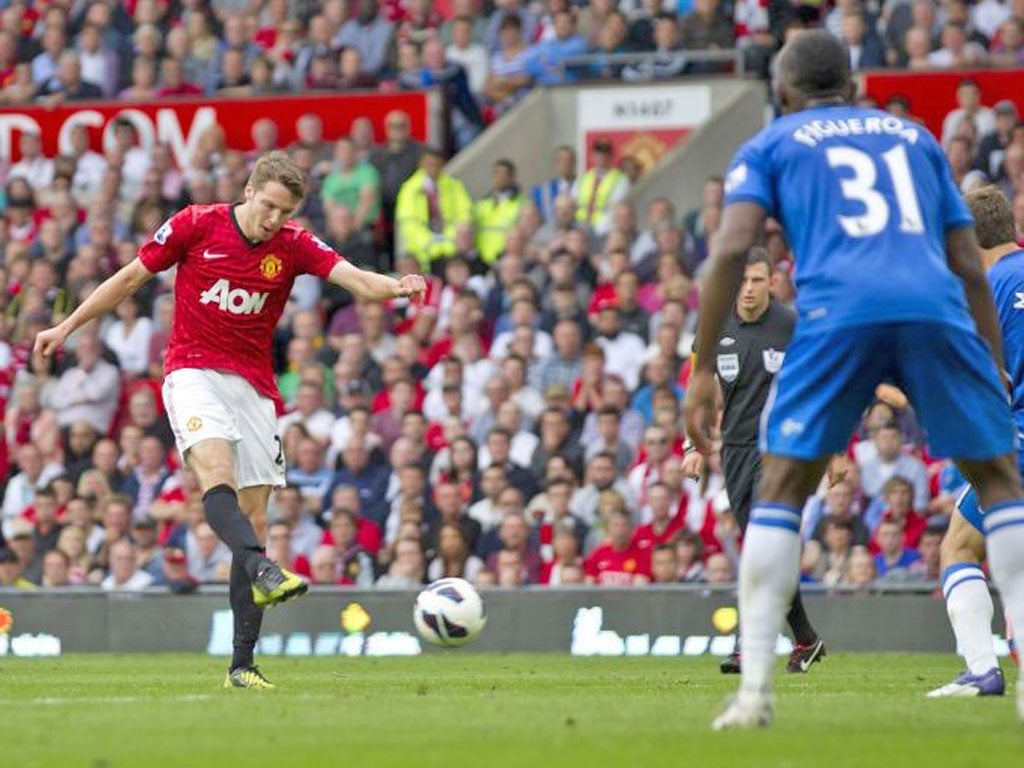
point(666, 519)
point(556, 512)
point(898, 493)
point(324, 566)
point(586, 390)
point(657, 446)
point(368, 533)
point(565, 554)
point(173, 82)
point(618, 562)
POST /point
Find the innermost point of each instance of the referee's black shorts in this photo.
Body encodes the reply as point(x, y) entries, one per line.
point(741, 466)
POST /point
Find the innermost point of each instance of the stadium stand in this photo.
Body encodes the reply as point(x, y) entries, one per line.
point(523, 425)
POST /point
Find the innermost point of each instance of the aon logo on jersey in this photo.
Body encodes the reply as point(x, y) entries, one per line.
point(237, 301)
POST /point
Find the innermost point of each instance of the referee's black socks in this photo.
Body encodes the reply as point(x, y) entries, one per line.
point(234, 529)
point(797, 619)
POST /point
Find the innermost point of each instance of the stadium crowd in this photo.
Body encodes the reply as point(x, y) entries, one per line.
point(521, 426)
point(486, 55)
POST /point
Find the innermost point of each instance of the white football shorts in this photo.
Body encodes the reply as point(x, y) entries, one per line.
point(203, 403)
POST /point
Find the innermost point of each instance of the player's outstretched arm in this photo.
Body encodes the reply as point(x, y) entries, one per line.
point(964, 257)
point(369, 285)
point(741, 227)
point(115, 289)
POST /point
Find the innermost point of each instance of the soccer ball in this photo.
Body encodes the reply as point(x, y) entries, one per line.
point(450, 612)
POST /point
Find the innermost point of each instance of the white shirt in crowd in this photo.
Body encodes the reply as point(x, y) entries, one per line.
point(38, 172)
point(984, 122)
point(132, 350)
point(624, 356)
point(90, 396)
point(476, 61)
point(542, 345)
point(520, 452)
point(88, 178)
point(138, 580)
point(319, 424)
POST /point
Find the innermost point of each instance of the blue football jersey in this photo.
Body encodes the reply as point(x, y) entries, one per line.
point(865, 200)
point(1007, 279)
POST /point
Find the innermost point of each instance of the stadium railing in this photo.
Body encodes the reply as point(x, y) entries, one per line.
point(579, 65)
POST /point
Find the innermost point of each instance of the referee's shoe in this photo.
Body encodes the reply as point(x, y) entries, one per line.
point(805, 654)
point(800, 660)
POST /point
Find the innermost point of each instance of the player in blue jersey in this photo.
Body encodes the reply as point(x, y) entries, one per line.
point(964, 585)
point(890, 287)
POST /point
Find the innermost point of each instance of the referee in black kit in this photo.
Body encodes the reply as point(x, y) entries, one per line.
point(750, 352)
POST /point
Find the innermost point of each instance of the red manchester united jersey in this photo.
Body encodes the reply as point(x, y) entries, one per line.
point(229, 293)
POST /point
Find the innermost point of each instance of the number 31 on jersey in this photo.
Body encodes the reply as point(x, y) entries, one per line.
point(860, 187)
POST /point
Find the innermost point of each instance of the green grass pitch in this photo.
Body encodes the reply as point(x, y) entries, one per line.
point(458, 709)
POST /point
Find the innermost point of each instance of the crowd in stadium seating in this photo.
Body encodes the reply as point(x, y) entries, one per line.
point(522, 426)
point(485, 55)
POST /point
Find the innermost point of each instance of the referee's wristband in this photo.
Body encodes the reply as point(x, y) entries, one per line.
point(688, 447)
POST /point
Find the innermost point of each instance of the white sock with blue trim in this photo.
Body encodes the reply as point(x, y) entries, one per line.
point(970, 610)
point(769, 570)
point(1004, 537)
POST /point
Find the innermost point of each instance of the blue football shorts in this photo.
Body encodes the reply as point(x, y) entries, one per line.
point(829, 378)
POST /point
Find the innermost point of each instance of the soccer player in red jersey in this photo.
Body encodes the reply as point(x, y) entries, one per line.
point(236, 265)
point(618, 562)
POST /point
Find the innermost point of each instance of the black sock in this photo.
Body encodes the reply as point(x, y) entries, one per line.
point(234, 529)
point(248, 618)
point(803, 632)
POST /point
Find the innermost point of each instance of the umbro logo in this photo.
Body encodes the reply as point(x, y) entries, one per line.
point(727, 341)
point(208, 255)
point(1019, 304)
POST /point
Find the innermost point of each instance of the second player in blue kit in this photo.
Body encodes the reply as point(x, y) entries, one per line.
point(890, 287)
point(964, 584)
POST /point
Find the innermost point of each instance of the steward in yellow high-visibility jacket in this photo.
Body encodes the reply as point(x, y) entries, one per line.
point(600, 188)
point(497, 213)
point(430, 207)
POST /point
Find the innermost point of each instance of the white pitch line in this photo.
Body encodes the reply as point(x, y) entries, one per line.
point(58, 700)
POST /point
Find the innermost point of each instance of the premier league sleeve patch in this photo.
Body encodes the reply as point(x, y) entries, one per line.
point(729, 367)
point(161, 235)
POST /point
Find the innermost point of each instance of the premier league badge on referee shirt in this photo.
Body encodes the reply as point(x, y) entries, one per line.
point(773, 360)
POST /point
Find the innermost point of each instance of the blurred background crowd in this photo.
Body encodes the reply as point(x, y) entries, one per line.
point(520, 427)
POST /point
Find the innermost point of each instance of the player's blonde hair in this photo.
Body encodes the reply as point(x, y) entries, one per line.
point(277, 166)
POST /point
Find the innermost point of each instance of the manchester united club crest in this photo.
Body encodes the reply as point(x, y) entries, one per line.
point(194, 424)
point(271, 266)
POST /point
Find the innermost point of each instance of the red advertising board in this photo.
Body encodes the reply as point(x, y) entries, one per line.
point(933, 94)
point(180, 122)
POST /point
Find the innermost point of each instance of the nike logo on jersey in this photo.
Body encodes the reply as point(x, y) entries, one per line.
point(208, 255)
